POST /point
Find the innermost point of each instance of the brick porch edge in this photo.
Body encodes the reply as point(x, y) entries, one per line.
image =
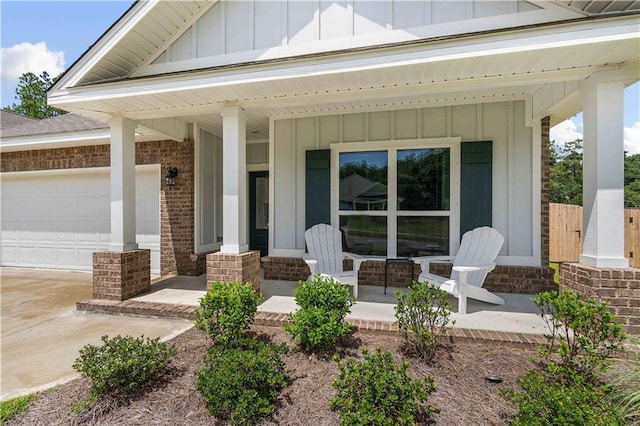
point(167, 310)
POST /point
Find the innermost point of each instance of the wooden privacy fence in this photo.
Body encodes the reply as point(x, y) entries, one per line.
point(565, 234)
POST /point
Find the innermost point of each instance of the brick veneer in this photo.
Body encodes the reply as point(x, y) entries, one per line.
point(243, 267)
point(619, 287)
point(121, 275)
point(176, 204)
point(545, 194)
point(504, 279)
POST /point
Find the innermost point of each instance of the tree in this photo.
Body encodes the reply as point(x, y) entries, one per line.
point(566, 175)
point(32, 94)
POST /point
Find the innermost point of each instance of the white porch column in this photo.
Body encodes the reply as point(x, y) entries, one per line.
point(234, 181)
point(603, 172)
point(123, 188)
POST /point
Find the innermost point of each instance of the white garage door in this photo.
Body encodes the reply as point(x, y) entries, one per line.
point(57, 219)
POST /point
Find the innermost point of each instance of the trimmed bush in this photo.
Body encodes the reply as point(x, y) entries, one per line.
point(241, 384)
point(378, 392)
point(552, 397)
point(122, 362)
point(227, 311)
point(584, 334)
point(422, 315)
point(320, 320)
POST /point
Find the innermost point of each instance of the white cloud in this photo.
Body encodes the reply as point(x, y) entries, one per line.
point(632, 139)
point(566, 131)
point(27, 57)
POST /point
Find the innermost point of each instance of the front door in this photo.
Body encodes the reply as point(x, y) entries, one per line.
point(259, 212)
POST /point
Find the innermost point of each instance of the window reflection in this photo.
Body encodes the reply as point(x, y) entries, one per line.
point(365, 235)
point(423, 236)
point(363, 180)
point(423, 179)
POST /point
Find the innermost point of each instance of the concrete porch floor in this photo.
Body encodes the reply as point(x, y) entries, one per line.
point(518, 315)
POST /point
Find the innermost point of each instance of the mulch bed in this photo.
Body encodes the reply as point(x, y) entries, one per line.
point(463, 397)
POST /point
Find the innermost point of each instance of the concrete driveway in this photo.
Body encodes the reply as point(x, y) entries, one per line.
point(41, 331)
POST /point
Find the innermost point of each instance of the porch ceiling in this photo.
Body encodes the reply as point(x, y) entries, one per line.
point(392, 79)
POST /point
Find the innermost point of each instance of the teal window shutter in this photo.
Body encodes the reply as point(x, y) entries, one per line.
point(318, 187)
point(476, 185)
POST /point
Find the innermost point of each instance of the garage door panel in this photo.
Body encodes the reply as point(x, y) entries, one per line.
point(59, 220)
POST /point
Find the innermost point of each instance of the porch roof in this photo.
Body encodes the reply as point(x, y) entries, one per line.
point(541, 64)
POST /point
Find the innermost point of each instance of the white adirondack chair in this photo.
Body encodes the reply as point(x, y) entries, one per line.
point(474, 260)
point(324, 243)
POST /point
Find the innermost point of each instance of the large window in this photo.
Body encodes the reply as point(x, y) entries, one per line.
point(395, 202)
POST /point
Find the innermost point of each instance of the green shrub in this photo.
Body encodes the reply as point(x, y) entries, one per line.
point(625, 384)
point(12, 407)
point(320, 320)
point(378, 392)
point(423, 316)
point(241, 384)
point(584, 334)
point(552, 397)
point(227, 311)
point(122, 362)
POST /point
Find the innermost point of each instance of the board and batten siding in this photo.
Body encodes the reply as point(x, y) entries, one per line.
point(234, 27)
point(515, 177)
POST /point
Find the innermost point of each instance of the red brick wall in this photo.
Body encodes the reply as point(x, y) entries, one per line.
point(243, 267)
point(504, 279)
point(619, 287)
point(176, 204)
point(121, 275)
point(545, 195)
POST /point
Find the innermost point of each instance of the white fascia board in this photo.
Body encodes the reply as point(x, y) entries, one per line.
point(104, 45)
point(56, 140)
point(528, 40)
point(548, 13)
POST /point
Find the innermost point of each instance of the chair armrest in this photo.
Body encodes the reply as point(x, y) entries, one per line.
point(489, 268)
point(357, 260)
point(311, 263)
point(425, 261)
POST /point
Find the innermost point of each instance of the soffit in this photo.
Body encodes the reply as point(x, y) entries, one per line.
point(601, 7)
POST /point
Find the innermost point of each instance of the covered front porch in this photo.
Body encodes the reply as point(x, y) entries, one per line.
point(517, 322)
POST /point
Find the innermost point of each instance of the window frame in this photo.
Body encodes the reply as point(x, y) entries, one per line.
point(392, 213)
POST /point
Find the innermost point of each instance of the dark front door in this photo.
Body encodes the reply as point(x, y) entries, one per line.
point(259, 212)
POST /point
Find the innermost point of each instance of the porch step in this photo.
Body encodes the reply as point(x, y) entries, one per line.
point(272, 319)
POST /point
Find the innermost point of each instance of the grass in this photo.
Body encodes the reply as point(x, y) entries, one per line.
point(15, 406)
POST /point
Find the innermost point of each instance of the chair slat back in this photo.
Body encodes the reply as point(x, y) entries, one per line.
point(479, 247)
point(324, 243)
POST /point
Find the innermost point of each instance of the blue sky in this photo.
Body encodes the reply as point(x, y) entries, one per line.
point(50, 35)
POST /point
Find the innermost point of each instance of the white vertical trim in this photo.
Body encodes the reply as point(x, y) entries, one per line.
point(272, 203)
point(341, 128)
point(252, 25)
point(392, 207)
point(449, 112)
point(479, 123)
point(285, 26)
point(454, 196)
point(536, 193)
point(223, 27)
point(197, 188)
point(427, 12)
point(316, 124)
point(419, 123)
point(351, 18)
point(511, 184)
point(366, 127)
point(392, 125)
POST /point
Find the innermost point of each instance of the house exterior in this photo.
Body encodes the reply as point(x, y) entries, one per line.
point(404, 123)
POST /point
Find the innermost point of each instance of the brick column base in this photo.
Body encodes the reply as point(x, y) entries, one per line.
point(241, 267)
point(619, 287)
point(121, 275)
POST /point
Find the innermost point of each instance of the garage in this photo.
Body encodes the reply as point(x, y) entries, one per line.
point(57, 218)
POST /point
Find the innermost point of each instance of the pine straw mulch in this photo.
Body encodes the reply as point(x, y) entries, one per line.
point(463, 397)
